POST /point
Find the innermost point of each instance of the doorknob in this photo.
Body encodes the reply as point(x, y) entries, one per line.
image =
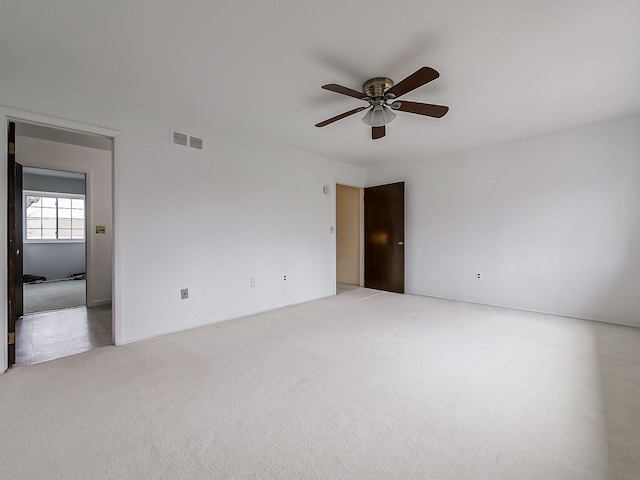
point(400, 243)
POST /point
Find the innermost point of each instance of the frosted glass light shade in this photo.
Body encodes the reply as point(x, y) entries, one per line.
point(378, 116)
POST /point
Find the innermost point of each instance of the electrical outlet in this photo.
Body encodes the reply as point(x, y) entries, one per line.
point(284, 277)
point(479, 276)
point(252, 282)
point(184, 294)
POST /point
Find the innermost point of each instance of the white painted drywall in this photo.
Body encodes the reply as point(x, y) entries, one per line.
point(53, 260)
point(209, 221)
point(552, 223)
point(96, 164)
point(212, 220)
point(48, 183)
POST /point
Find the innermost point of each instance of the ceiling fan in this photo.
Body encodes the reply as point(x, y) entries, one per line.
point(381, 93)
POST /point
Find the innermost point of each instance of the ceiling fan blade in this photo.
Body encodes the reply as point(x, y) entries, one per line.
point(378, 132)
point(436, 111)
point(346, 91)
point(413, 81)
point(340, 117)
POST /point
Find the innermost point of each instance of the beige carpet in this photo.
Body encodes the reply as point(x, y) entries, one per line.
point(364, 385)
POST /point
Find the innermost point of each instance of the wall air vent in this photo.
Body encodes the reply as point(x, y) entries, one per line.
point(179, 138)
point(195, 142)
point(186, 140)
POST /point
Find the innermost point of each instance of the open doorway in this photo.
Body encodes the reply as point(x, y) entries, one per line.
point(349, 238)
point(66, 239)
point(370, 237)
point(54, 267)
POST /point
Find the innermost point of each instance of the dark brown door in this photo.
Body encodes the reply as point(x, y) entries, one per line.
point(14, 229)
point(384, 237)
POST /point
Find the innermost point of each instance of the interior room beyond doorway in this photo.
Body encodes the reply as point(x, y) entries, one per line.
point(54, 239)
point(349, 236)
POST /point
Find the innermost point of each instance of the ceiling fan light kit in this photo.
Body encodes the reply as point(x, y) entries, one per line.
point(378, 116)
point(380, 92)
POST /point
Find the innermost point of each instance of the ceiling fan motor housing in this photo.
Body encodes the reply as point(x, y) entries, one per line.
point(376, 87)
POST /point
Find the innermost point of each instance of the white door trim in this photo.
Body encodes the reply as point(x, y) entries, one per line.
point(11, 114)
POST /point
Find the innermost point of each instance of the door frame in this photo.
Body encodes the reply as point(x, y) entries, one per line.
point(15, 245)
point(361, 186)
point(11, 114)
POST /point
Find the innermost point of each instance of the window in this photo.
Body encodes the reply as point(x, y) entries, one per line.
point(53, 216)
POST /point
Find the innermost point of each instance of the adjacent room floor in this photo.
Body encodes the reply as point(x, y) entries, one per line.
point(57, 324)
point(345, 287)
point(49, 335)
point(54, 295)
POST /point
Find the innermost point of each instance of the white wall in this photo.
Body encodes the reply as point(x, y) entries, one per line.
point(207, 220)
point(210, 221)
point(53, 260)
point(552, 223)
point(48, 183)
point(96, 164)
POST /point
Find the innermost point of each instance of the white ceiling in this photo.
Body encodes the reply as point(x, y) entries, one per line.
point(508, 68)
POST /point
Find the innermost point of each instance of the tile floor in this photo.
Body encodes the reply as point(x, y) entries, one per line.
point(49, 335)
